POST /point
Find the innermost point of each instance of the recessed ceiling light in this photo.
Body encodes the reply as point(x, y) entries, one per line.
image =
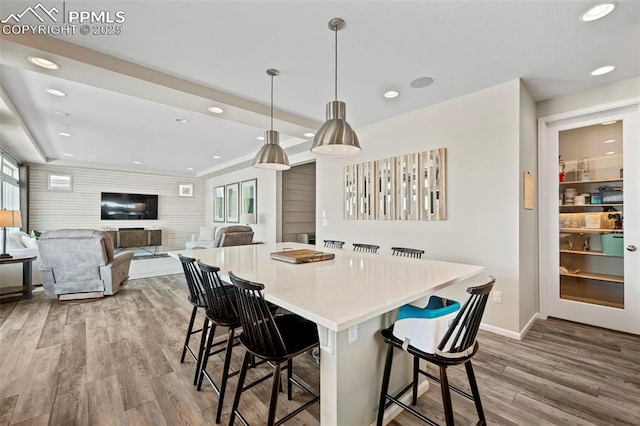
point(606, 123)
point(55, 92)
point(260, 138)
point(421, 82)
point(189, 168)
point(68, 155)
point(603, 70)
point(611, 152)
point(64, 134)
point(217, 157)
point(182, 120)
point(137, 162)
point(66, 114)
point(610, 141)
point(309, 134)
point(216, 110)
point(44, 63)
point(391, 94)
point(597, 12)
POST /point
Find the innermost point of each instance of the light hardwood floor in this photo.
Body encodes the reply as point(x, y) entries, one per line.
point(116, 361)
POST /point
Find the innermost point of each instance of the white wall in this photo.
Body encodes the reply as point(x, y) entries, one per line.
point(178, 217)
point(265, 229)
point(529, 299)
point(481, 132)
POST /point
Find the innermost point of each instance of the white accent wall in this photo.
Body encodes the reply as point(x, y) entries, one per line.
point(178, 217)
point(490, 141)
point(267, 217)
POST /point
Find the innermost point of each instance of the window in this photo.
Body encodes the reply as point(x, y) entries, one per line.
point(9, 183)
point(59, 182)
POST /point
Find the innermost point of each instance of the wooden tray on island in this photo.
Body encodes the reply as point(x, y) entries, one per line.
point(301, 256)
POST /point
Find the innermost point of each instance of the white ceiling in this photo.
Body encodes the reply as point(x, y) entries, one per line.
point(173, 59)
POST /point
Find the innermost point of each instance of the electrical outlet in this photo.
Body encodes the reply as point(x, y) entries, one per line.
point(353, 333)
point(497, 296)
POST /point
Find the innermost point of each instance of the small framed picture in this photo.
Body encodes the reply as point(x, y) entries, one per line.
point(185, 189)
point(233, 202)
point(218, 204)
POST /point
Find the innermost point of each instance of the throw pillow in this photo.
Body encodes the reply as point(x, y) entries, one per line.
point(14, 240)
point(35, 234)
point(29, 242)
point(206, 234)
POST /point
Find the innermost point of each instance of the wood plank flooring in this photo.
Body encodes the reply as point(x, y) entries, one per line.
point(116, 361)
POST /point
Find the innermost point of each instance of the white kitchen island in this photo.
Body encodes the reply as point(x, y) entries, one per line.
point(347, 297)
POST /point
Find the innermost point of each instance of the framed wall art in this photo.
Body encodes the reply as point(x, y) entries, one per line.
point(232, 196)
point(218, 204)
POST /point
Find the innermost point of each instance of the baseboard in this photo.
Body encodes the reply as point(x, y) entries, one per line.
point(508, 333)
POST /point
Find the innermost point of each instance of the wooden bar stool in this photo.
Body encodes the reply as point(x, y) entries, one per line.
point(407, 252)
point(276, 339)
point(333, 244)
point(369, 248)
point(457, 347)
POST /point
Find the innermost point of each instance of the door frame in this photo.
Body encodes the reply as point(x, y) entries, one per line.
point(547, 182)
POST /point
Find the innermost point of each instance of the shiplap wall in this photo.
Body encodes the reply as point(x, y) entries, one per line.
point(178, 217)
point(298, 201)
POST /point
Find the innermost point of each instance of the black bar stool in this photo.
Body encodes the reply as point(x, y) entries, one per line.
point(197, 297)
point(221, 312)
point(333, 244)
point(276, 339)
point(407, 252)
point(370, 248)
point(457, 347)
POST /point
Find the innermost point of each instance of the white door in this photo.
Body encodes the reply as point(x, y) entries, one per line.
point(590, 222)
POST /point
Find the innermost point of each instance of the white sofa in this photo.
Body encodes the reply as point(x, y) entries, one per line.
point(19, 244)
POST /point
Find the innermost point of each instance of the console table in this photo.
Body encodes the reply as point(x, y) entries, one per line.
point(26, 272)
point(126, 238)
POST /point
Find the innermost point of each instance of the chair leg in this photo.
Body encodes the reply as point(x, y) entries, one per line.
point(186, 340)
point(289, 376)
point(446, 396)
point(225, 373)
point(416, 367)
point(205, 356)
point(273, 403)
point(385, 384)
point(475, 392)
point(203, 338)
point(236, 400)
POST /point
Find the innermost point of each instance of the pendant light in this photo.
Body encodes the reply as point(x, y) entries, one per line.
point(336, 137)
point(271, 156)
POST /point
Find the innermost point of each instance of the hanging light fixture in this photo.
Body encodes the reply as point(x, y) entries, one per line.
point(271, 156)
point(336, 137)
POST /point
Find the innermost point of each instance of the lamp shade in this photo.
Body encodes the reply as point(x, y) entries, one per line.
point(271, 156)
point(336, 137)
point(10, 219)
point(248, 218)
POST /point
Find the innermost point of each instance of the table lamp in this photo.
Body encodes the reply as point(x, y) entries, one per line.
point(8, 219)
point(248, 218)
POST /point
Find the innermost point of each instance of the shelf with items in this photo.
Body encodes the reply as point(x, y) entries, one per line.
point(588, 182)
point(591, 230)
point(589, 253)
point(593, 276)
point(578, 206)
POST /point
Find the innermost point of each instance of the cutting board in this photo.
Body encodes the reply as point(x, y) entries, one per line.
point(301, 256)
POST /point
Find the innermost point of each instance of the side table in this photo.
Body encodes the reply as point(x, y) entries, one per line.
point(26, 271)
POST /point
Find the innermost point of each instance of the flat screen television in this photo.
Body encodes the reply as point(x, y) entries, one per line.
point(119, 206)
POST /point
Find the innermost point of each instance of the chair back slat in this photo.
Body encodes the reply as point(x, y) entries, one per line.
point(260, 333)
point(407, 252)
point(220, 297)
point(460, 338)
point(333, 244)
point(369, 248)
point(194, 280)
